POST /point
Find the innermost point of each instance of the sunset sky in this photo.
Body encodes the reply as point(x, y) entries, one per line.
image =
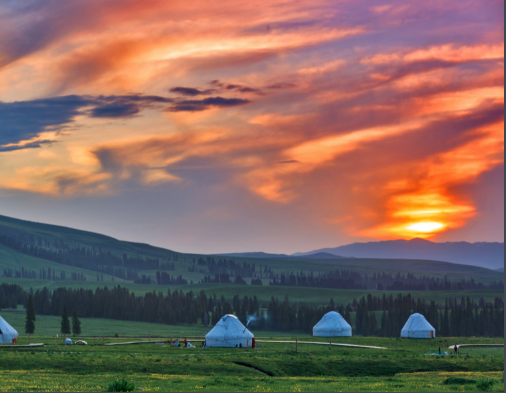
point(276, 126)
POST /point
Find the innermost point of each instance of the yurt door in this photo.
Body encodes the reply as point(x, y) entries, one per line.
point(431, 334)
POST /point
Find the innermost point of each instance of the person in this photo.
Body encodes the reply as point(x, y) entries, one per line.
point(440, 350)
point(185, 342)
point(240, 345)
point(455, 349)
point(253, 342)
point(15, 340)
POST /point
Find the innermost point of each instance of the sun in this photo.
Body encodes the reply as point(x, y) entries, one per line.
point(425, 227)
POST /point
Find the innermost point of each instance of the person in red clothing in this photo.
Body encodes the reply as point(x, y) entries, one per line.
point(15, 340)
point(185, 342)
point(253, 342)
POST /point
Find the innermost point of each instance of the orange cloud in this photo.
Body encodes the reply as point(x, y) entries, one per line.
point(431, 207)
point(448, 52)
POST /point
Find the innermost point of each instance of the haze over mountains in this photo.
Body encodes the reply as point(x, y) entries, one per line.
point(483, 254)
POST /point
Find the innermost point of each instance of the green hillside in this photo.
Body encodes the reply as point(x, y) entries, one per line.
point(33, 232)
point(14, 260)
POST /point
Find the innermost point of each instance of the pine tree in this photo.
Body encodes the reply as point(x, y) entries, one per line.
point(65, 323)
point(30, 316)
point(76, 324)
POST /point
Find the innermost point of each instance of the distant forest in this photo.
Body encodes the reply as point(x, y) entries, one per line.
point(454, 318)
point(217, 270)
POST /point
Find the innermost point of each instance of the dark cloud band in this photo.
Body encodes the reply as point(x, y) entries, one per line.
point(200, 105)
point(24, 120)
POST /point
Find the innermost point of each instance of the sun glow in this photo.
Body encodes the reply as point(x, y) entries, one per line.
point(425, 227)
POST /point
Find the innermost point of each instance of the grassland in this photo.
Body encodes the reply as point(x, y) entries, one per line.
point(408, 366)
point(273, 367)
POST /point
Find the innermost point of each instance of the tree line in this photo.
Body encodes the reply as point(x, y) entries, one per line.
point(345, 279)
point(453, 318)
point(44, 274)
point(227, 266)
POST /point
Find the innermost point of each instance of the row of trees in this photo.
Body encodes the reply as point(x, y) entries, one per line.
point(44, 274)
point(23, 273)
point(224, 278)
point(346, 279)
point(383, 316)
point(227, 266)
point(457, 320)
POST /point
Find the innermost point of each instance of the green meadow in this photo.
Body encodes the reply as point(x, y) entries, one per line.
point(401, 364)
point(412, 366)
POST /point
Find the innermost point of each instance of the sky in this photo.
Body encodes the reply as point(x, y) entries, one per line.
point(276, 126)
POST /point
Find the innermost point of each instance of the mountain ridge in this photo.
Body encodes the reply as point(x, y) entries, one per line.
point(483, 254)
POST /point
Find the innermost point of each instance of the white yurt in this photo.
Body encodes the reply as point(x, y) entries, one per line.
point(229, 332)
point(331, 325)
point(7, 332)
point(418, 327)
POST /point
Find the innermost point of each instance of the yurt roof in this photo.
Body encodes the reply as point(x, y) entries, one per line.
point(332, 319)
point(229, 327)
point(417, 322)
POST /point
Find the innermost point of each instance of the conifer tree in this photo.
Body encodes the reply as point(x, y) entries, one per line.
point(76, 324)
point(65, 323)
point(30, 316)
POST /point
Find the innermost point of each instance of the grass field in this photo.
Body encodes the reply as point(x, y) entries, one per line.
point(408, 365)
point(273, 367)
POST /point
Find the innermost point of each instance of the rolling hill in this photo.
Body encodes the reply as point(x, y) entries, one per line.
point(186, 266)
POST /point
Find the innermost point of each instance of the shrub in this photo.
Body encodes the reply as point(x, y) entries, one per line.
point(458, 381)
point(121, 386)
point(485, 384)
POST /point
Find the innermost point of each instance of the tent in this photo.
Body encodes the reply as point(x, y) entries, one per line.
point(7, 332)
point(229, 332)
point(418, 327)
point(331, 325)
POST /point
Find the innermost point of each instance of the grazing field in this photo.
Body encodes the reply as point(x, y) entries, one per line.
point(273, 367)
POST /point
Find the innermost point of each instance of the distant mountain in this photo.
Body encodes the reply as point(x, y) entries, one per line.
point(317, 255)
point(500, 270)
point(322, 255)
point(253, 255)
point(487, 255)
